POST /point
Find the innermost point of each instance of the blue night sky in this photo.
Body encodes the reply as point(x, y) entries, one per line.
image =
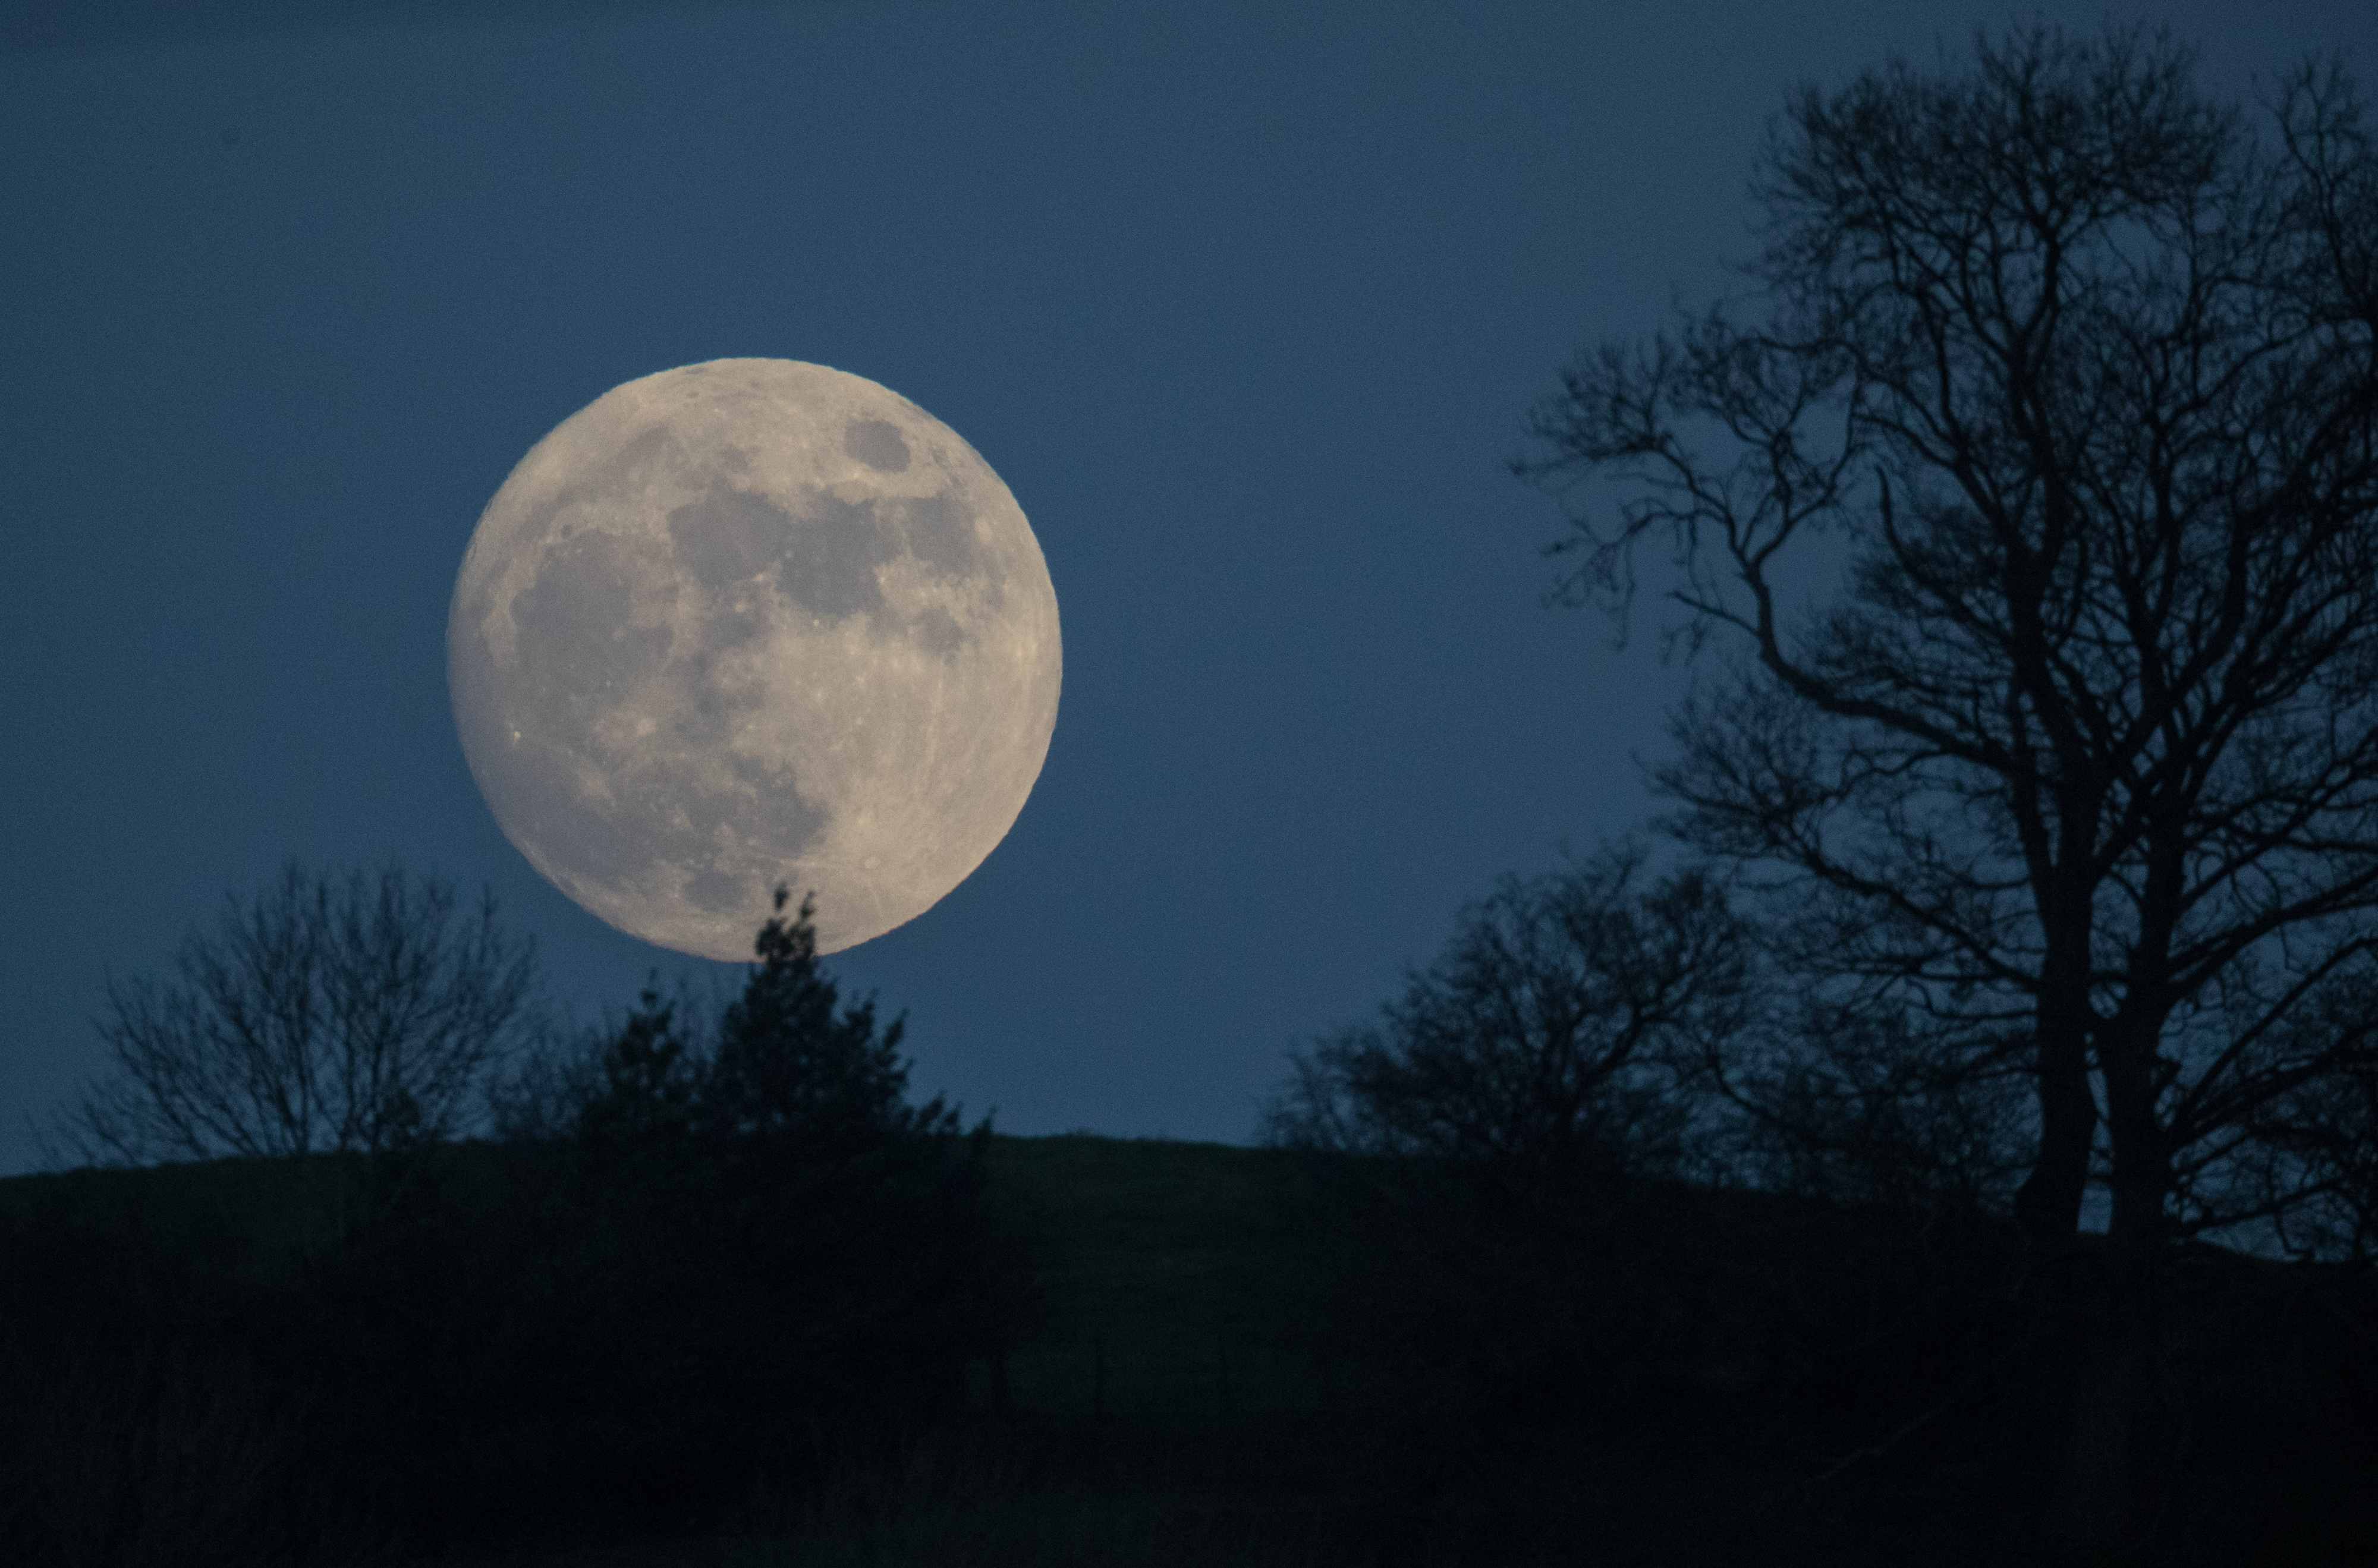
point(1245, 303)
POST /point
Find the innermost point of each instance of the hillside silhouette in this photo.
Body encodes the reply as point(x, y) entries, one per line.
point(1210, 1359)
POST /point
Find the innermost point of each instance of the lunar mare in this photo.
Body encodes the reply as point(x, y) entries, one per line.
point(752, 622)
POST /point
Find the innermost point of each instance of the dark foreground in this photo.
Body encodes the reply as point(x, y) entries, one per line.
point(1211, 1366)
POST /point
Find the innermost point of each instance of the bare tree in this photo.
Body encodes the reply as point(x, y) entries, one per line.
point(1486, 1157)
point(1847, 1104)
point(2311, 1154)
point(531, 1100)
point(1549, 1037)
point(2082, 773)
point(319, 1016)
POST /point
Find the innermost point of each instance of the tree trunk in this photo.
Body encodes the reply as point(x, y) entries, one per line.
point(2048, 1203)
point(2101, 1301)
point(2104, 1500)
point(2112, 1477)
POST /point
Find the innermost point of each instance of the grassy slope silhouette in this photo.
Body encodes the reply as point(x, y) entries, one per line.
point(1177, 1402)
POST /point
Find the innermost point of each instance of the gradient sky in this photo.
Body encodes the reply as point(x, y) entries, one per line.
point(1246, 303)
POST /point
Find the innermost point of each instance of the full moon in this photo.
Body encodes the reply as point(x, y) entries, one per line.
point(748, 623)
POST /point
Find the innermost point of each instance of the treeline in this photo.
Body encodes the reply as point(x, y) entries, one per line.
point(734, 1258)
point(1562, 1254)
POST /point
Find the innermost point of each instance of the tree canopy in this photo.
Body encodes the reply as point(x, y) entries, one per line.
point(321, 1014)
point(2080, 772)
point(2079, 778)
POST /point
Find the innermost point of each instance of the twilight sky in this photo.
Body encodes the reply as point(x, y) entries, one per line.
point(1245, 303)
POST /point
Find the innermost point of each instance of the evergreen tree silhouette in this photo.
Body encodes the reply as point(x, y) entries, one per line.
point(789, 1064)
point(649, 1083)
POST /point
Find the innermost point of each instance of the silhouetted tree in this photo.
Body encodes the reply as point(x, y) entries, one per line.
point(533, 1097)
point(1496, 1133)
point(719, 1241)
point(1854, 1104)
point(636, 1120)
point(650, 1078)
point(2083, 773)
point(2312, 1151)
point(789, 1064)
point(1550, 1037)
point(321, 1015)
point(825, 1188)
